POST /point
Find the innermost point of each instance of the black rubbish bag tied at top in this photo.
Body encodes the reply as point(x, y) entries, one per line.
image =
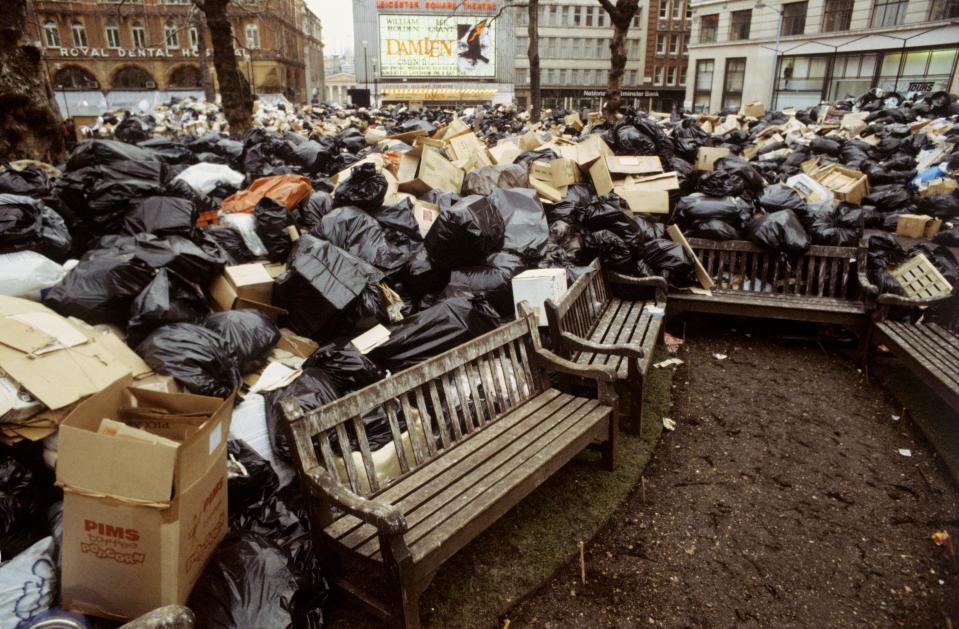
point(248, 333)
point(169, 298)
point(780, 231)
point(466, 233)
point(365, 188)
point(195, 356)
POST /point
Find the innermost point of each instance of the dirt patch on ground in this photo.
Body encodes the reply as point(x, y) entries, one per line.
point(781, 499)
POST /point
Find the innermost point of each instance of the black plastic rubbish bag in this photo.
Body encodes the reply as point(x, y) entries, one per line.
point(101, 289)
point(230, 242)
point(664, 255)
point(169, 298)
point(162, 216)
point(492, 279)
point(253, 485)
point(780, 197)
point(249, 334)
point(648, 230)
point(198, 358)
point(944, 206)
point(55, 240)
point(272, 220)
point(838, 227)
point(399, 218)
point(31, 181)
point(313, 208)
point(365, 188)
point(576, 197)
point(528, 157)
point(421, 275)
point(251, 582)
point(613, 251)
point(322, 283)
point(947, 237)
point(714, 229)
point(606, 213)
point(135, 129)
point(697, 208)
point(312, 389)
point(355, 231)
point(888, 198)
point(349, 369)
point(826, 146)
point(21, 223)
point(21, 506)
point(526, 230)
point(199, 261)
point(466, 233)
point(434, 330)
point(780, 231)
point(485, 179)
point(100, 152)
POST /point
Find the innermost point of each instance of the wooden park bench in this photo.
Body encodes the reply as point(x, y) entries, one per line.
point(475, 430)
point(821, 285)
point(590, 325)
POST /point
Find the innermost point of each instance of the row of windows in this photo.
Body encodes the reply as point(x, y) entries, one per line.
point(555, 15)
point(662, 75)
point(138, 35)
point(733, 81)
point(127, 77)
point(677, 6)
point(837, 16)
point(671, 74)
point(669, 43)
point(576, 47)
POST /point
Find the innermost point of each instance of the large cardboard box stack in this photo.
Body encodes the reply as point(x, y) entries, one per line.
point(246, 286)
point(145, 497)
point(846, 184)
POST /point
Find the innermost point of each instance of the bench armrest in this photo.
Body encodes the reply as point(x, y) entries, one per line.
point(888, 299)
point(386, 518)
point(867, 286)
point(655, 281)
point(573, 342)
point(601, 373)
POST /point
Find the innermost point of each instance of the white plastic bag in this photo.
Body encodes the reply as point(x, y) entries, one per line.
point(204, 177)
point(26, 273)
point(27, 583)
point(246, 225)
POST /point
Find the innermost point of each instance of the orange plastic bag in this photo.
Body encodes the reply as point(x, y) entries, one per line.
point(287, 190)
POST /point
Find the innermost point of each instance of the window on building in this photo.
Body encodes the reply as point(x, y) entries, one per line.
point(589, 15)
point(577, 16)
point(739, 25)
point(133, 77)
point(664, 9)
point(139, 35)
point(112, 32)
point(601, 18)
point(564, 20)
point(185, 76)
point(79, 34)
point(794, 18)
point(552, 20)
point(171, 35)
point(704, 84)
point(194, 37)
point(708, 25)
point(660, 43)
point(943, 9)
point(889, 12)
point(836, 16)
point(682, 75)
point(677, 9)
point(638, 18)
point(252, 36)
point(658, 75)
point(674, 43)
point(689, 11)
point(921, 66)
point(800, 80)
point(733, 82)
point(51, 33)
point(74, 78)
point(671, 75)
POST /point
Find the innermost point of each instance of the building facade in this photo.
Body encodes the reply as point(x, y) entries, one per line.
point(797, 54)
point(106, 54)
point(574, 39)
point(338, 86)
point(313, 65)
point(667, 55)
point(434, 52)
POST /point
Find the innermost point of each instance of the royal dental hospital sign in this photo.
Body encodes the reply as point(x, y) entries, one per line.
point(137, 53)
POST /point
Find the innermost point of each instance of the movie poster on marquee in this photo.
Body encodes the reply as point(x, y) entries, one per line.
point(437, 46)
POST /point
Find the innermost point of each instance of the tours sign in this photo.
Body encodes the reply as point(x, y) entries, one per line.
point(437, 46)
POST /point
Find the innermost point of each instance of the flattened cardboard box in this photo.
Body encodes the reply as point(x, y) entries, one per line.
point(140, 519)
point(707, 155)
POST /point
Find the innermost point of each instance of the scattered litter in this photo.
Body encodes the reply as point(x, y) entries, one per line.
point(905, 452)
point(669, 424)
point(669, 362)
point(720, 356)
point(896, 418)
point(673, 343)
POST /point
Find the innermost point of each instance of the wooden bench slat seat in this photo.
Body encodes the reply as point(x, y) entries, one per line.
point(930, 351)
point(474, 431)
point(822, 285)
point(592, 326)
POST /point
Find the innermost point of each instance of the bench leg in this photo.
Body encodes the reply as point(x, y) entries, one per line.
point(865, 340)
point(607, 393)
point(404, 594)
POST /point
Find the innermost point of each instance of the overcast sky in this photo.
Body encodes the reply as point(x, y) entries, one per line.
point(337, 18)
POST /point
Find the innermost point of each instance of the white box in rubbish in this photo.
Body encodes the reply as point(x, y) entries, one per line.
point(536, 286)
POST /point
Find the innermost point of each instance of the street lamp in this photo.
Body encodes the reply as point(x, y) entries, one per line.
point(366, 66)
point(376, 89)
point(779, 32)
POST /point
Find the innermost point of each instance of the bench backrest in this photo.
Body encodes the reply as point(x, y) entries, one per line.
point(429, 408)
point(823, 271)
point(578, 309)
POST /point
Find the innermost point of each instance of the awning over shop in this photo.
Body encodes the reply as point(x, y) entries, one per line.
point(444, 94)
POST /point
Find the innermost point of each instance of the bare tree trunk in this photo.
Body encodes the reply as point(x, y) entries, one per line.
point(535, 98)
point(621, 16)
point(30, 124)
point(206, 81)
point(234, 88)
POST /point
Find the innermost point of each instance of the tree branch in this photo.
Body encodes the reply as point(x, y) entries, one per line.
point(606, 4)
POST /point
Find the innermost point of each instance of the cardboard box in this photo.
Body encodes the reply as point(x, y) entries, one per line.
point(643, 201)
point(591, 149)
point(612, 171)
point(846, 184)
point(255, 289)
point(938, 186)
point(917, 226)
point(573, 120)
point(425, 215)
point(707, 155)
point(754, 110)
point(505, 153)
point(536, 286)
point(140, 519)
point(854, 122)
point(677, 236)
point(430, 170)
point(546, 190)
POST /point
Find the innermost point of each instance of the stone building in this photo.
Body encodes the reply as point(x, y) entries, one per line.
point(102, 54)
point(667, 38)
point(314, 67)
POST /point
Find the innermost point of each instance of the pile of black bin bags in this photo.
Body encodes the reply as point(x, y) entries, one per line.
point(115, 236)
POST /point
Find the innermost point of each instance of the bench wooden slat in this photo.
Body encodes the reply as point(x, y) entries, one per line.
point(603, 325)
point(926, 345)
point(347, 455)
point(420, 453)
point(942, 382)
point(773, 299)
point(440, 414)
point(397, 438)
point(420, 484)
point(365, 453)
point(426, 419)
point(624, 333)
point(946, 337)
point(329, 461)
